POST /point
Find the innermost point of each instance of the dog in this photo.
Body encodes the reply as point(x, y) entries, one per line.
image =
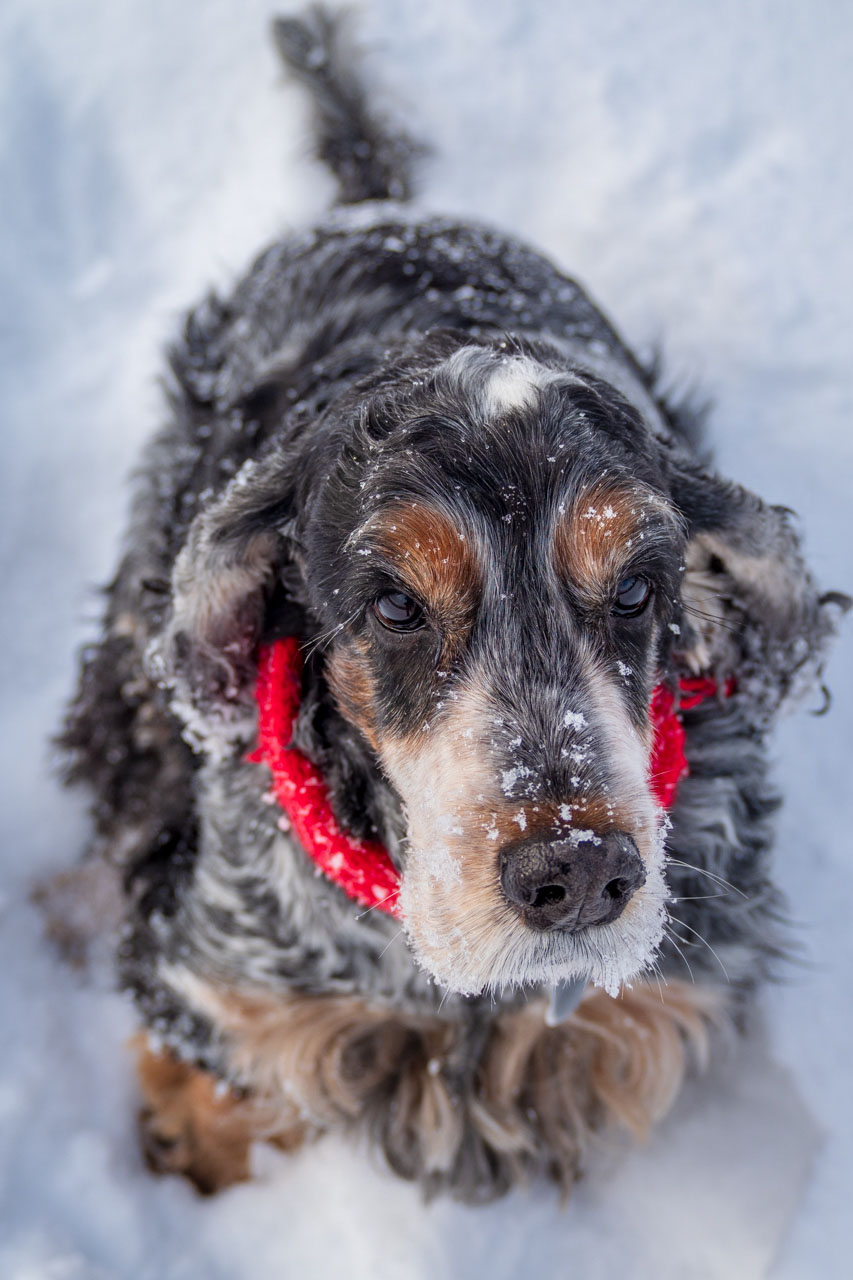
point(427, 728)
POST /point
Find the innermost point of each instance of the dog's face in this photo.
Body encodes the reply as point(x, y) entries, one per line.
point(498, 566)
point(492, 559)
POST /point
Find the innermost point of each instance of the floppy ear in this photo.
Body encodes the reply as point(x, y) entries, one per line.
point(237, 553)
point(750, 607)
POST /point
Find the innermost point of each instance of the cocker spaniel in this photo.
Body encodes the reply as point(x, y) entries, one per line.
point(427, 729)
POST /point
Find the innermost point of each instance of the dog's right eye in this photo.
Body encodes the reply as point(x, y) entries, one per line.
point(398, 612)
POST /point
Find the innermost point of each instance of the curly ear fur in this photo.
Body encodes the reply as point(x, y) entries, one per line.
point(750, 605)
point(235, 553)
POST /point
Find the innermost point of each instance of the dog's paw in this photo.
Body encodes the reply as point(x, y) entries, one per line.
point(162, 1152)
point(189, 1125)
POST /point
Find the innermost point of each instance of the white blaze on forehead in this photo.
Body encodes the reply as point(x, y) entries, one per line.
point(515, 384)
point(500, 383)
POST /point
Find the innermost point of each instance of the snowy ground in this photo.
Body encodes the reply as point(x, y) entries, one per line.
point(691, 163)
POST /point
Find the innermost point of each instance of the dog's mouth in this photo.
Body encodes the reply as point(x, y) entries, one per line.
point(538, 914)
point(518, 873)
point(525, 893)
point(497, 896)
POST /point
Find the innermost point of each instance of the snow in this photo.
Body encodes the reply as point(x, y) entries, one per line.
point(691, 164)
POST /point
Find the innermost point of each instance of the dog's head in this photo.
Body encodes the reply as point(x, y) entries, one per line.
point(498, 556)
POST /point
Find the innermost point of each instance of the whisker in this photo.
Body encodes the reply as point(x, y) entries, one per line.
point(710, 617)
point(373, 906)
point(659, 978)
point(668, 932)
point(390, 941)
point(712, 875)
point(708, 945)
point(311, 646)
point(674, 934)
point(698, 897)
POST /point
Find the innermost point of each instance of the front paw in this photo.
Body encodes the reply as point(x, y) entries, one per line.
point(188, 1125)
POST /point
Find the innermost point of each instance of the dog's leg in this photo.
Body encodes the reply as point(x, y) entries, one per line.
point(190, 1124)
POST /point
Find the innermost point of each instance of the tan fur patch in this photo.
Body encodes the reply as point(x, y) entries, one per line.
point(600, 814)
point(597, 535)
point(451, 887)
point(189, 1124)
point(483, 830)
point(529, 1094)
point(438, 565)
point(433, 558)
point(351, 684)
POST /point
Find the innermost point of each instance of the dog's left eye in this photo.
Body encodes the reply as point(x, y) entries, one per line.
point(398, 612)
point(632, 596)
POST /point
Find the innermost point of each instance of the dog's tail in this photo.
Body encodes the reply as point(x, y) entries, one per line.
point(370, 157)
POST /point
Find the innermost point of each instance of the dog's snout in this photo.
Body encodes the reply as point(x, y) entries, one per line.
point(569, 884)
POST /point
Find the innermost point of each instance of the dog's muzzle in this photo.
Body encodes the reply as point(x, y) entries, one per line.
point(570, 884)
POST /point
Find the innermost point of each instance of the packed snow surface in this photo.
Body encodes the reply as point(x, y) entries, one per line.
point(691, 164)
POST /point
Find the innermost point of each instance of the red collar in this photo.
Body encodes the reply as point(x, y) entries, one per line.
point(363, 868)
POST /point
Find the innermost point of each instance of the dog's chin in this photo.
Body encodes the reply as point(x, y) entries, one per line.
point(487, 948)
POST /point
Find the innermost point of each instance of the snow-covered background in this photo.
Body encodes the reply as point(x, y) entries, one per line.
point(690, 162)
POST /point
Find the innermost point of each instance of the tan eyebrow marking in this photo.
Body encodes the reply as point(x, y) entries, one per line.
point(603, 528)
point(432, 556)
point(353, 688)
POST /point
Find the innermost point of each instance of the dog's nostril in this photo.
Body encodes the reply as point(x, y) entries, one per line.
point(617, 888)
point(549, 894)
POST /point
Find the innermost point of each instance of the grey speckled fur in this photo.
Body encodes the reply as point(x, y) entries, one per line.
point(214, 884)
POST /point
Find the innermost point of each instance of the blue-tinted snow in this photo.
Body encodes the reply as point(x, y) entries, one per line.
point(690, 162)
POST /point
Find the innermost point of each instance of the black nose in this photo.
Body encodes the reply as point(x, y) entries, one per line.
point(569, 884)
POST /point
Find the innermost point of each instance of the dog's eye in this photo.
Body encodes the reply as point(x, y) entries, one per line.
point(398, 612)
point(632, 596)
